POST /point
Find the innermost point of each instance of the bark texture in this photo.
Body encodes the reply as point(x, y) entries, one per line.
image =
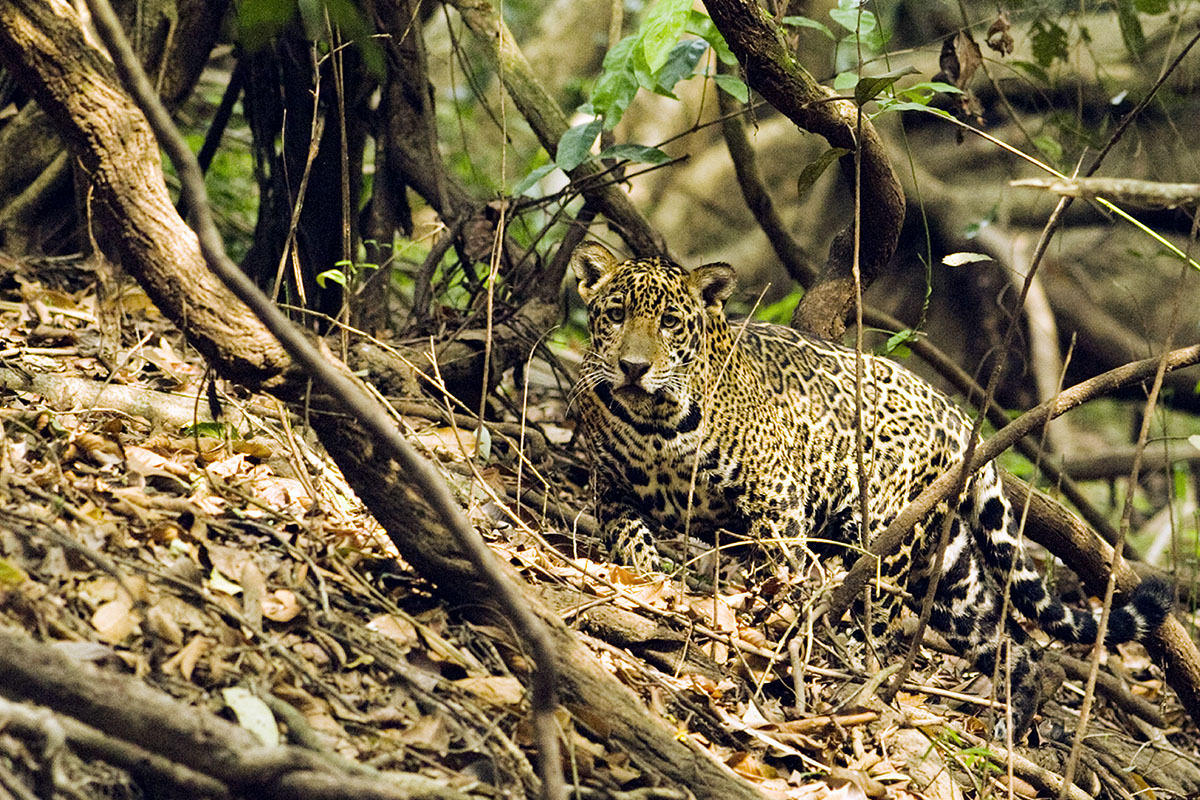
point(130, 211)
point(770, 69)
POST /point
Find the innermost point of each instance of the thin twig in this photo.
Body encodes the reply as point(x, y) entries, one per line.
point(1032, 420)
point(544, 678)
point(1126, 514)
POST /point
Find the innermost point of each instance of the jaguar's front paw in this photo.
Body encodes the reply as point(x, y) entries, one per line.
point(633, 546)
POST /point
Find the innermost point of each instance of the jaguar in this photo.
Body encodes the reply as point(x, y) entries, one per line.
point(698, 424)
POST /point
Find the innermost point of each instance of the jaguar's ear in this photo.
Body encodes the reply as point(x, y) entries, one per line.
point(714, 283)
point(593, 264)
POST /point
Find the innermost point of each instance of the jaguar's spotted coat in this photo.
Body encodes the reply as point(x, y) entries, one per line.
point(749, 427)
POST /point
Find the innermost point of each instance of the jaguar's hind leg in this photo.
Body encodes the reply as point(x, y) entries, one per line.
point(967, 613)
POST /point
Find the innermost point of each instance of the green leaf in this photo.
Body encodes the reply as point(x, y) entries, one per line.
point(259, 21)
point(863, 27)
point(845, 81)
point(312, 15)
point(1033, 70)
point(1131, 28)
point(1153, 6)
point(574, 146)
point(805, 22)
point(814, 170)
point(679, 64)
point(639, 153)
point(1049, 42)
point(214, 430)
point(331, 276)
point(868, 89)
point(641, 70)
point(732, 85)
point(345, 17)
point(897, 343)
point(11, 575)
point(852, 18)
point(615, 88)
point(700, 24)
point(661, 29)
point(924, 91)
point(911, 105)
point(527, 183)
point(1050, 147)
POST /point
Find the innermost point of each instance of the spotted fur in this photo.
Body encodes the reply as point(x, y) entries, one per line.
point(698, 423)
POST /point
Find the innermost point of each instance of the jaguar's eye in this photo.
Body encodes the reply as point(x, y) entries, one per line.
point(670, 320)
point(615, 314)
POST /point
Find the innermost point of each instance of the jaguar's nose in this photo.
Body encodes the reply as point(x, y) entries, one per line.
point(634, 368)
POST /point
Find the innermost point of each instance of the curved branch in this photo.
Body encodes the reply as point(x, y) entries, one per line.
point(1182, 661)
point(151, 727)
point(772, 71)
point(549, 123)
point(758, 199)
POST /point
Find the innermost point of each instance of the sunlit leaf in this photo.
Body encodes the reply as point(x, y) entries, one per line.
point(661, 29)
point(805, 22)
point(615, 88)
point(699, 24)
point(252, 714)
point(959, 259)
point(331, 276)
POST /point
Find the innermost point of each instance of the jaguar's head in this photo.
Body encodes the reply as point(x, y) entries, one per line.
point(649, 320)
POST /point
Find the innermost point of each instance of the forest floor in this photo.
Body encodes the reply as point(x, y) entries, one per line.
point(229, 566)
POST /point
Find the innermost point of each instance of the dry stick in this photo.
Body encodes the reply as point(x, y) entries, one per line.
point(1032, 420)
point(1126, 513)
point(30, 722)
point(967, 467)
point(136, 714)
point(1062, 477)
point(549, 123)
point(965, 472)
point(544, 678)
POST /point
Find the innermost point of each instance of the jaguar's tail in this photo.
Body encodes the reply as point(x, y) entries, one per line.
point(991, 519)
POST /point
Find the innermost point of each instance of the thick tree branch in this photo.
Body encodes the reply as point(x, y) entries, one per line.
point(549, 123)
point(770, 69)
point(43, 45)
point(141, 717)
point(416, 513)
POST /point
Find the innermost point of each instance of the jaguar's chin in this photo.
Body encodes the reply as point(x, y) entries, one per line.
point(646, 403)
point(632, 392)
